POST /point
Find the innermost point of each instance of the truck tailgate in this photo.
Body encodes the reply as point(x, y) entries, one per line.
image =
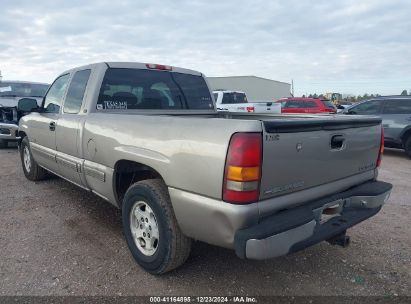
point(300, 153)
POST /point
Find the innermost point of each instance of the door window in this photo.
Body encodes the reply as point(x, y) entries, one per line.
point(399, 106)
point(367, 108)
point(75, 93)
point(54, 97)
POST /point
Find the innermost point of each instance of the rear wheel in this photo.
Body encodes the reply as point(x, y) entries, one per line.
point(31, 169)
point(3, 144)
point(150, 228)
point(407, 146)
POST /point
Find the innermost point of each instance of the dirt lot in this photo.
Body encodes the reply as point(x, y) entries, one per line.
point(56, 239)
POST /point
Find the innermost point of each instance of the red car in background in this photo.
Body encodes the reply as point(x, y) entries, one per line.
point(306, 105)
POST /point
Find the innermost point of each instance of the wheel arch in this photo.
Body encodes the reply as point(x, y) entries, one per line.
point(406, 133)
point(127, 172)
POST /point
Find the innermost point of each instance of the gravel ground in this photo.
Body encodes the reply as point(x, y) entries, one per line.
point(56, 239)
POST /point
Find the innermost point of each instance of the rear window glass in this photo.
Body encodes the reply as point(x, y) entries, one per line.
point(234, 97)
point(124, 89)
point(402, 106)
point(328, 104)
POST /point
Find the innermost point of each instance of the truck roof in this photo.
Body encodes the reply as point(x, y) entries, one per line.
point(228, 91)
point(134, 65)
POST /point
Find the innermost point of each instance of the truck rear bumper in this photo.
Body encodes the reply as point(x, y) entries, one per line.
point(295, 229)
point(9, 132)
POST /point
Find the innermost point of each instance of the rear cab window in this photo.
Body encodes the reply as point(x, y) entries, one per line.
point(234, 97)
point(127, 89)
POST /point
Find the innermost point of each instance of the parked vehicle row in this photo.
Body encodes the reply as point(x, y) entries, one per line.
point(11, 92)
point(147, 138)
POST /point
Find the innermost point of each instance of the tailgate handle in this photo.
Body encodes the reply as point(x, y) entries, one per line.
point(337, 142)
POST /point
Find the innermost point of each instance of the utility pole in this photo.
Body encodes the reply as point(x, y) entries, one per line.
point(292, 87)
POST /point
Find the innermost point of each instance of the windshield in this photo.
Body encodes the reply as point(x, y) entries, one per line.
point(22, 89)
point(124, 89)
point(234, 97)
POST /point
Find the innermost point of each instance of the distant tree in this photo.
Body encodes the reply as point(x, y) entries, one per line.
point(315, 95)
point(321, 96)
point(310, 96)
point(404, 92)
point(303, 96)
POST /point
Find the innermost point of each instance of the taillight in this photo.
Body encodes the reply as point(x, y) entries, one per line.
point(381, 151)
point(250, 109)
point(154, 66)
point(243, 168)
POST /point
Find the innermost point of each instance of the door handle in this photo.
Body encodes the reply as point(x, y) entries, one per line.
point(52, 126)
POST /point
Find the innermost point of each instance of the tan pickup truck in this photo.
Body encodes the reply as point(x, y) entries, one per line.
point(147, 138)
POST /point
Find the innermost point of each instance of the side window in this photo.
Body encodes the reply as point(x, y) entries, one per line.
point(309, 104)
point(54, 97)
point(75, 93)
point(402, 106)
point(294, 104)
point(371, 107)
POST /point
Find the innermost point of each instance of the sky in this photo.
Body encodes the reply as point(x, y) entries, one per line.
point(350, 47)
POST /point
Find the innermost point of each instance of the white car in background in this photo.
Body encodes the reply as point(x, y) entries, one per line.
point(236, 101)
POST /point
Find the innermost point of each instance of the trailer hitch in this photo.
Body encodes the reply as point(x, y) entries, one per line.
point(341, 239)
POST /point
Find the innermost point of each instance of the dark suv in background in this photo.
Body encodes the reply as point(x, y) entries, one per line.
point(395, 112)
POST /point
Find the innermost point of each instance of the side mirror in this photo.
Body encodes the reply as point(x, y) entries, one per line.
point(27, 105)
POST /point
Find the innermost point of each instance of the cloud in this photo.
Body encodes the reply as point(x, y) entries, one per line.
point(343, 46)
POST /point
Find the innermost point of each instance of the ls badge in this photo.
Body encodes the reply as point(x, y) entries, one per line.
point(299, 147)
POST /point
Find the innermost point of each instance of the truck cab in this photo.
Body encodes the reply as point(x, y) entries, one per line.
point(236, 101)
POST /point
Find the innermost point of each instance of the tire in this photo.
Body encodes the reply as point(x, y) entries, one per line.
point(31, 169)
point(3, 144)
point(167, 247)
point(407, 146)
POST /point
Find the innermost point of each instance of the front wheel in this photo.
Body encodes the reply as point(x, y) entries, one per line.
point(150, 228)
point(31, 169)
